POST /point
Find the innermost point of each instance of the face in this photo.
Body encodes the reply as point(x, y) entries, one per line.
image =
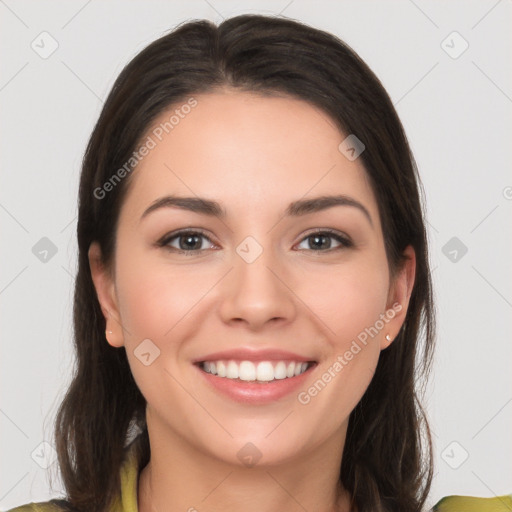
point(274, 284)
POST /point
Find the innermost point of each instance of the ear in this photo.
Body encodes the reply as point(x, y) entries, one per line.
point(105, 290)
point(399, 296)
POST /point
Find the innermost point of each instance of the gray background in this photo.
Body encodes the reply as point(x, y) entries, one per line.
point(455, 109)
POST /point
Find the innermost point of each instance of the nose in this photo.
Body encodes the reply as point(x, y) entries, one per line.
point(257, 293)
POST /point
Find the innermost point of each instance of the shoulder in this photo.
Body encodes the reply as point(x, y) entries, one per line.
point(472, 504)
point(126, 501)
point(43, 506)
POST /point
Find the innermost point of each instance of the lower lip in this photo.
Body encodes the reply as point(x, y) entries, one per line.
point(256, 393)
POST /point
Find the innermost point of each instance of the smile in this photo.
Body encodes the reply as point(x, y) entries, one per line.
point(262, 371)
point(255, 383)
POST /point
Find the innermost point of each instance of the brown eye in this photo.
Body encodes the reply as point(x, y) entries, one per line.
point(321, 241)
point(189, 242)
point(185, 242)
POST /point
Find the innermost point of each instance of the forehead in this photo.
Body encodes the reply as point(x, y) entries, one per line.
point(247, 151)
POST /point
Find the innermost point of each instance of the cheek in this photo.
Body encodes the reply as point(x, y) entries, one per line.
point(156, 303)
point(155, 297)
point(348, 298)
point(353, 298)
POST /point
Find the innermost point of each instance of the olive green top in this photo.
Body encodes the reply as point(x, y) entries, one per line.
point(127, 500)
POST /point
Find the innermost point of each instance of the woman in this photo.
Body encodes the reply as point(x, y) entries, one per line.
point(253, 305)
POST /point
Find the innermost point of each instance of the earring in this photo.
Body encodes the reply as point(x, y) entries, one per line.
point(108, 332)
point(388, 337)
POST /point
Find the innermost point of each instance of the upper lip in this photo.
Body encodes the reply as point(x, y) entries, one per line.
point(247, 354)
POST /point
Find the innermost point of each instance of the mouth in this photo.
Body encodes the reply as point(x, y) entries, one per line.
point(261, 372)
point(255, 382)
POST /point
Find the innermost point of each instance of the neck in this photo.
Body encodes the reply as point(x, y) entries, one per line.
point(181, 477)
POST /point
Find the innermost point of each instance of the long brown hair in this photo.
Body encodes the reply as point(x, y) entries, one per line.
point(387, 461)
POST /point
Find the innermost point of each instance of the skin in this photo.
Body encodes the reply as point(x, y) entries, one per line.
point(254, 155)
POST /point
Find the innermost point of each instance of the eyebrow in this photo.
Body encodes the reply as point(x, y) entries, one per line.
point(295, 209)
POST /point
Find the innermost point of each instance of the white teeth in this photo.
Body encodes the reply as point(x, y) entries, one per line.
point(280, 371)
point(247, 371)
point(232, 370)
point(264, 371)
point(221, 369)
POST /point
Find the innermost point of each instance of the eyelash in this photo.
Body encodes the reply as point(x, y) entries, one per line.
point(345, 242)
